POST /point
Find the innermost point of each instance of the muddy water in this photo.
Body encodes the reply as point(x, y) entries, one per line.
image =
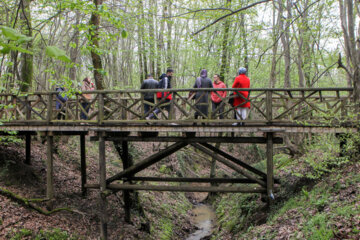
point(204, 219)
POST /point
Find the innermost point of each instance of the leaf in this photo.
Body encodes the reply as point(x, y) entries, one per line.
point(124, 33)
point(24, 39)
point(55, 52)
point(12, 34)
point(5, 50)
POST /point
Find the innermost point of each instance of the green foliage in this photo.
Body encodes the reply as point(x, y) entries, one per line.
point(318, 228)
point(10, 40)
point(54, 234)
point(166, 228)
point(55, 52)
point(321, 157)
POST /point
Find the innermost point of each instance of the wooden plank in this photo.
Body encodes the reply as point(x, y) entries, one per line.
point(49, 170)
point(235, 160)
point(102, 186)
point(182, 188)
point(126, 165)
point(255, 140)
point(49, 108)
point(189, 179)
point(228, 163)
point(83, 164)
point(270, 167)
point(148, 161)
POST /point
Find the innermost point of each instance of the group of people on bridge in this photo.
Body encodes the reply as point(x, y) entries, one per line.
point(240, 100)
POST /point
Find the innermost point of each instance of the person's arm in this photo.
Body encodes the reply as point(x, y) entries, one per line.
point(142, 85)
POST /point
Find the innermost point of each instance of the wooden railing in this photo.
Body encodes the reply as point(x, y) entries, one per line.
point(302, 106)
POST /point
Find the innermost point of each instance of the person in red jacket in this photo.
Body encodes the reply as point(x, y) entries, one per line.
point(241, 103)
point(215, 96)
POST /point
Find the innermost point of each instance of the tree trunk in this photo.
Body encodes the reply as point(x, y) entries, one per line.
point(94, 41)
point(285, 39)
point(74, 51)
point(27, 70)
point(224, 58)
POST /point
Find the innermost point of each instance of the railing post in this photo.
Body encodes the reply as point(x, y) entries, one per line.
point(172, 107)
point(101, 109)
point(209, 106)
point(142, 101)
point(268, 106)
point(50, 108)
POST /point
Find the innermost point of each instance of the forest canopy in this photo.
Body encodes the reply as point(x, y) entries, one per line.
point(282, 43)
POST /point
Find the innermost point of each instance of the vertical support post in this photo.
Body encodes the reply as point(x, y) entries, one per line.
point(269, 166)
point(101, 109)
point(268, 106)
point(83, 164)
point(142, 106)
point(172, 106)
point(49, 169)
point(77, 115)
point(123, 109)
point(126, 164)
point(28, 149)
point(50, 107)
point(102, 197)
point(209, 106)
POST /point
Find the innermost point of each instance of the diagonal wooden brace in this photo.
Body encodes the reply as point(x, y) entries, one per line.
point(228, 163)
point(147, 162)
point(235, 160)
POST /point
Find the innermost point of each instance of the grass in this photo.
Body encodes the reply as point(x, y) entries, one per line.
point(53, 234)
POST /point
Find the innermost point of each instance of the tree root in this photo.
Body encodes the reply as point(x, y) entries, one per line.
point(30, 203)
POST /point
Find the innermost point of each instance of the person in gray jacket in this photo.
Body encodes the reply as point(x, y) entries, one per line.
point(201, 97)
point(149, 83)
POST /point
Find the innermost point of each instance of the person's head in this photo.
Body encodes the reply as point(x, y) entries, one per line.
point(169, 72)
point(216, 78)
point(149, 76)
point(242, 70)
point(86, 80)
point(203, 73)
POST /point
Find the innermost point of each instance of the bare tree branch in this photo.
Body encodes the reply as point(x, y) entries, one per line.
point(200, 10)
point(230, 14)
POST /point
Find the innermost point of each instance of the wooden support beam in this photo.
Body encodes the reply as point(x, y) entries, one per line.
point(196, 180)
point(228, 163)
point(255, 140)
point(181, 188)
point(126, 165)
point(102, 197)
point(49, 170)
point(28, 149)
point(234, 160)
point(270, 167)
point(147, 162)
point(83, 164)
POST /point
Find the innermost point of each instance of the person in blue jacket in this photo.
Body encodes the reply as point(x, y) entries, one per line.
point(60, 102)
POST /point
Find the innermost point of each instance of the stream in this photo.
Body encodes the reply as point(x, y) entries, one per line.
point(204, 218)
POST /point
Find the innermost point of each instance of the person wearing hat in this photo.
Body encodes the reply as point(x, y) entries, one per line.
point(241, 102)
point(87, 85)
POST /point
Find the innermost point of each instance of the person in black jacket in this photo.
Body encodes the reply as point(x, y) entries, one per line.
point(164, 97)
point(149, 83)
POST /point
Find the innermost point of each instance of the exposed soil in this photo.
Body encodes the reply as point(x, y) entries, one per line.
point(30, 182)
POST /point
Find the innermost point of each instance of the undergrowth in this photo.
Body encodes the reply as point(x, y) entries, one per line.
point(328, 210)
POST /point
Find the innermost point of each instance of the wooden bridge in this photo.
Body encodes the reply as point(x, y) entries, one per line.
point(119, 116)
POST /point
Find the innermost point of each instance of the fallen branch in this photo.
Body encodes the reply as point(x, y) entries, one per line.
point(29, 203)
